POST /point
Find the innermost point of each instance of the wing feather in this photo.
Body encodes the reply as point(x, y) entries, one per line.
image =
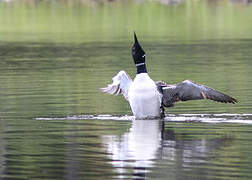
point(188, 90)
point(120, 85)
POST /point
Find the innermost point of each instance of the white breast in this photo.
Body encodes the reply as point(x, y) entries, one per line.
point(144, 98)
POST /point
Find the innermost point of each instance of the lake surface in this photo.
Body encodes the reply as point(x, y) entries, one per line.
point(55, 124)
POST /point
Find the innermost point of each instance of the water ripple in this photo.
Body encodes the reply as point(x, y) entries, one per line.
point(205, 118)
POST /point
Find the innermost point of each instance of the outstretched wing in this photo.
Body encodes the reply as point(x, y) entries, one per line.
point(120, 85)
point(188, 90)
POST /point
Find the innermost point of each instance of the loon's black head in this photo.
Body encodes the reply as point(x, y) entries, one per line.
point(138, 55)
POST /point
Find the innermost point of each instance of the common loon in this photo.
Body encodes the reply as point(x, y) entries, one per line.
point(147, 98)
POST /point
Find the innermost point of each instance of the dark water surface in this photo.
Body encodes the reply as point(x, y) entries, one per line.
point(55, 124)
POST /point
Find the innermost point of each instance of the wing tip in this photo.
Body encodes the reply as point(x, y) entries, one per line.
point(234, 101)
point(229, 100)
point(110, 90)
point(103, 89)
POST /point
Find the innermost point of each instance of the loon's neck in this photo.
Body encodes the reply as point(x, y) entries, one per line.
point(141, 68)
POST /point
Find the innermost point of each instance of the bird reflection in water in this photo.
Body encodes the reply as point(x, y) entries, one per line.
point(150, 143)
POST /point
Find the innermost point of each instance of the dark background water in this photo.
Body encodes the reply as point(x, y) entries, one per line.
point(55, 124)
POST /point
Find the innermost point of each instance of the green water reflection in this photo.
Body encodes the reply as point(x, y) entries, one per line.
point(85, 21)
point(63, 79)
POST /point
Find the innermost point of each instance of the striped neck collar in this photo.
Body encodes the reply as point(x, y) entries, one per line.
point(141, 68)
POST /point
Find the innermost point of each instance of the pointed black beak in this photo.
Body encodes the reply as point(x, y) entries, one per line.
point(135, 38)
point(137, 51)
point(138, 55)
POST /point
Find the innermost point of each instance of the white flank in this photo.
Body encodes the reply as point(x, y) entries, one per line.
point(144, 98)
